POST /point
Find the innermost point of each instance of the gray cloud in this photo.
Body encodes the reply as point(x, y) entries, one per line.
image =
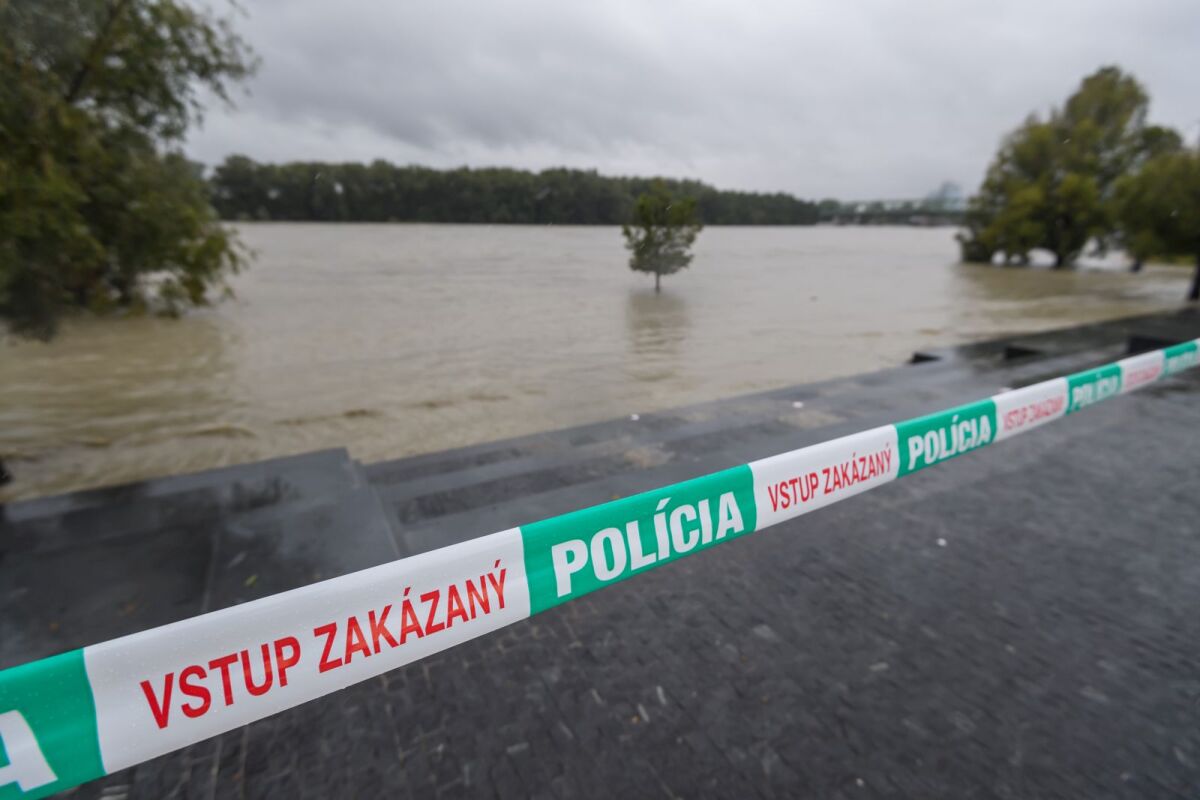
point(854, 99)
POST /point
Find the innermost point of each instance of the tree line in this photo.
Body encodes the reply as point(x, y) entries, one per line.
point(1091, 176)
point(243, 189)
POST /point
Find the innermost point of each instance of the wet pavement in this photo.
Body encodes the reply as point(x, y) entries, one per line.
point(1016, 623)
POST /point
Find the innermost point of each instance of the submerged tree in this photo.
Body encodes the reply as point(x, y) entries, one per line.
point(99, 210)
point(1158, 209)
point(1051, 185)
point(1126, 231)
point(662, 232)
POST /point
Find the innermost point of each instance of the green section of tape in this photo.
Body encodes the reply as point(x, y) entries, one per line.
point(1180, 357)
point(1091, 386)
point(925, 441)
point(569, 556)
point(54, 699)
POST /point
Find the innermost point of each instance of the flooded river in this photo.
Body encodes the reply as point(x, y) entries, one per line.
point(399, 339)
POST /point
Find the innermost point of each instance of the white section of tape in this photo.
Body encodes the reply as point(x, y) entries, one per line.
point(1028, 407)
point(165, 688)
point(1138, 371)
point(800, 481)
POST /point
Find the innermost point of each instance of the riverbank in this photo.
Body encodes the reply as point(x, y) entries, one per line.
point(1014, 623)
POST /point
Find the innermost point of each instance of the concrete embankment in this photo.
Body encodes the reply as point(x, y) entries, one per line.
point(1016, 623)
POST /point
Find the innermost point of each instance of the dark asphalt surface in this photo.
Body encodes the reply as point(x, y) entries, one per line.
point(1017, 623)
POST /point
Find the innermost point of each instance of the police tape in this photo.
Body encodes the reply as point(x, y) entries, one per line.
point(90, 712)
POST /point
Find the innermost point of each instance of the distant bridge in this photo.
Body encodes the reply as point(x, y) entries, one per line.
point(924, 211)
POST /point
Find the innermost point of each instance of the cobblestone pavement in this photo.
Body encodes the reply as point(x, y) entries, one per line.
point(1018, 623)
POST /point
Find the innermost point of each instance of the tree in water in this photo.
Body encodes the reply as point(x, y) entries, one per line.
point(99, 209)
point(661, 234)
point(1051, 185)
point(1158, 209)
point(1127, 233)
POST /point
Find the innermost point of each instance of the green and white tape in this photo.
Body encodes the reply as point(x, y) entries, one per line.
point(87, 713)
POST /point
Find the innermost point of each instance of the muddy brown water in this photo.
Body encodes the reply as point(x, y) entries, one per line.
point(399, 339)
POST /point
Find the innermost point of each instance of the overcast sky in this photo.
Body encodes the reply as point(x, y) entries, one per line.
point(857, 100)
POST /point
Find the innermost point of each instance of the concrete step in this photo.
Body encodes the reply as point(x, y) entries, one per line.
point(493, 507)
point(180, 500)
point(769, 422)
point(551, 460)
point(259, 481)
point(60, 598)
point(474, 508)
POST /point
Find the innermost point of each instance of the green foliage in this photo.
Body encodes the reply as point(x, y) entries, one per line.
point(1158, 209)
point(98, 208)
point(381, 192)
point(1052, 183)
point(662, 232)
